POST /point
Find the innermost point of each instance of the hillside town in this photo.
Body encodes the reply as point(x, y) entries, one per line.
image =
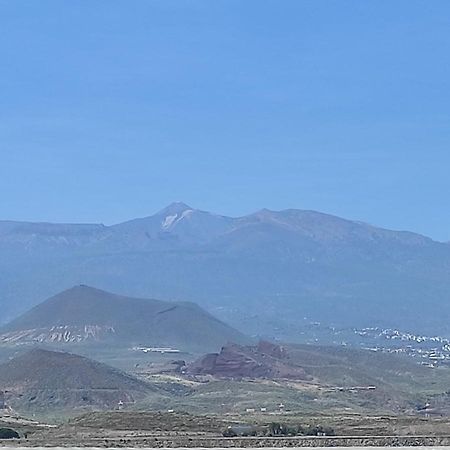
point(431, 350)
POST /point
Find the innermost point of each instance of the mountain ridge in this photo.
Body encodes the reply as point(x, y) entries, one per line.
point(178, 208)
point(266, 271)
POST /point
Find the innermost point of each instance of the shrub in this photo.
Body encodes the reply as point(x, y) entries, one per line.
point(275, 429)
point(229, 432)
point(278, 429)
point(8, 433)
point(319, 430)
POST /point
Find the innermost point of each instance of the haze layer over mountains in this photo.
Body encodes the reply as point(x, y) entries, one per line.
point(264, 272)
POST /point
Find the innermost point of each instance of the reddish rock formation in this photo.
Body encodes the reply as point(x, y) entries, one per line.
point(266, 360)
point(268, 348)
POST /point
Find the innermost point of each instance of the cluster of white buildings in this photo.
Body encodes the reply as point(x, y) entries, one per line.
point(430, 349)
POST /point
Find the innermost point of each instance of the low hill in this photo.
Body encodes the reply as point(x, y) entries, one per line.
point(84, 314)
point(46, 381)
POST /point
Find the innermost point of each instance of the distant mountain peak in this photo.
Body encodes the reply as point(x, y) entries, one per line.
point(175, 208)
point(83, 289)
point(264, 213)
point(174, 213)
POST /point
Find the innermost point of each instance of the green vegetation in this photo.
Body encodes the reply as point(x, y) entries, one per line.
point(284, 429)
point(275, 429)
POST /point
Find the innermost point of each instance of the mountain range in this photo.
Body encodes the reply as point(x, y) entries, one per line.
point(266, 273)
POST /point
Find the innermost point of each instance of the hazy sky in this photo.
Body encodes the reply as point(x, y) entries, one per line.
point(112, 109)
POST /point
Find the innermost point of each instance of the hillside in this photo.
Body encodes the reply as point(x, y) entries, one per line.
point(311, 379)
point(270, 273)
point(47, 381)
point(323, 365)
point(87, 315)
point(304, 379)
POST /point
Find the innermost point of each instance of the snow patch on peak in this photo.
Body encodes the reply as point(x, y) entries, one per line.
point(186, 213)
point(168, 221)
point(174, 208)
point(171, 220)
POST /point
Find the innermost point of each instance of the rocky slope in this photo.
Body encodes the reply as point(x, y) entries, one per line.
point(262, 361)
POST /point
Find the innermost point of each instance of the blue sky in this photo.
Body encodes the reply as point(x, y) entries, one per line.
point(111, 109)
